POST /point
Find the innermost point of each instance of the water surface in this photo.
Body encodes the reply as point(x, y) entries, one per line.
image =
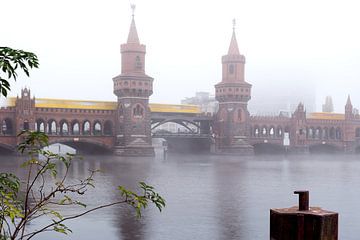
point(211, 197)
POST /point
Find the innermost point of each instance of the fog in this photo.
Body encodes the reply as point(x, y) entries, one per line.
point(290, 47)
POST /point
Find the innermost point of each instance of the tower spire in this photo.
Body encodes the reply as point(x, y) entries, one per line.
point(348, 102)
point(133, 35)
point(233, 48)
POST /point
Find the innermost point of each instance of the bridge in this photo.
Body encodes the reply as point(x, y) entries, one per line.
point(126, 127)
point(89, 125)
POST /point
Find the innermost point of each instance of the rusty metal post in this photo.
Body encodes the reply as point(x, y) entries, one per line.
point(303, 200)
point(303, 222)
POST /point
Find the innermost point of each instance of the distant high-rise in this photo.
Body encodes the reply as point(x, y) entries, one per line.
point(328, 106)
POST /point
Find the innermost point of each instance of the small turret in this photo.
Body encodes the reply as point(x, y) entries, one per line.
point(348, 109)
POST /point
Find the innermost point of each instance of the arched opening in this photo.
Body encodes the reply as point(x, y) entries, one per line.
point(272, 132)
point(26, 125)
point(256, 131)
point(332, 133)
point(325, 133)
point(40, 125)
point(338, 133)
point(7, 127)
point(64, 127)
point(52, 128)
point(86, 130)
point(264, 131)
point(311, 133)
point(268, 148)
point(108, 127)
point(97, 128)
point(318, 133)
point(279, 132)
point(75, 128)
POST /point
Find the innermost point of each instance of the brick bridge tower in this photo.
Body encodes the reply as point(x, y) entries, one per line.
point(233, 94)
point(133, 88)
point(24, 113)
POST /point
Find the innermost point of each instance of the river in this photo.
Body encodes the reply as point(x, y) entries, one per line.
point(210, 197)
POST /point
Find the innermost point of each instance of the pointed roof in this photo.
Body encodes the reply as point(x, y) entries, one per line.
point(348, 102)
point(133, 35)
point(233, 48)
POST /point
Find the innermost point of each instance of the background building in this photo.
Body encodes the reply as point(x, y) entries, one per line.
point(204, 100)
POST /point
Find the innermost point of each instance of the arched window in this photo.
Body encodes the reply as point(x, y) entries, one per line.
point(26, 125)
point(138, 111)
point(121, 110)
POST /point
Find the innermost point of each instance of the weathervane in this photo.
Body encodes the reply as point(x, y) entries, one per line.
point(133, 6)
point(234, 24)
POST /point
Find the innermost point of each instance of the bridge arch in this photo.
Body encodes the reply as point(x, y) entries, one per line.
point(324, 148)
point(7, 126)
point(6, 149)
point(181, 122)
point(268, 148)
point(84, 146)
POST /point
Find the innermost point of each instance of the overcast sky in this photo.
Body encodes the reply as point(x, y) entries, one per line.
point(303, 43)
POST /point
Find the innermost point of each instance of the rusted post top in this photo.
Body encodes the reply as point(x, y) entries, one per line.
point(303, 200)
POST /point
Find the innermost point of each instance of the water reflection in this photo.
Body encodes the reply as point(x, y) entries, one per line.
point(210, 197)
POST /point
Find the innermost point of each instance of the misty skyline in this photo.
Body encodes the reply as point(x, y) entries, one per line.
point(308, 44)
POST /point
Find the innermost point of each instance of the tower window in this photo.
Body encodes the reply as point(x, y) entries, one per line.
point(138, 64)
point(231, 69)
point(138, 111)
